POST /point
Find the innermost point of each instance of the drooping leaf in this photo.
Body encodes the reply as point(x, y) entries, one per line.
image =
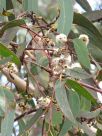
point(11, 24)
point(80, 90)
point(67, 125)
point(92, 31)
point(30, 5)
point(93, 15)
point(82, 53)
point(84, 4)
point(77, 73)
point(74, 102)
point(90, 115)
point(5, 52)
point(7, 124)
point(57, 118)
point(62, 99)
point(85, 104)
point(32, 120)
point(66, 16)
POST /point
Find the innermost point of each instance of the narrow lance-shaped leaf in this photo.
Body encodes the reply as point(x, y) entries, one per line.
point(82, 53)
point(92, 31)
point(84, 4)
point(7, 124)
point(80, 90)
point(30, 5)
point(5, 52)
point(11, 24)
point(62, 99)
point(32, 120)
point(66, 16)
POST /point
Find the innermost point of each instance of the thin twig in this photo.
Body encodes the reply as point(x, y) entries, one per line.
point(25, 113)
point(90, 87)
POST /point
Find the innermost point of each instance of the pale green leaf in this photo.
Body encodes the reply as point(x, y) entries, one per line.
point(82, 53)
point(62, 100)
point(66, 16)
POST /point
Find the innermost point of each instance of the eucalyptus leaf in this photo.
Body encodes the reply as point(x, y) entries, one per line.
point(77, 73)
point(82, 53)
point(92, 31)
point(5, 52)
point(32, 120)
point(7, 124)
point(80, 90)
point(84, 4)
point(66, 16)
point(30, 5)
point(67, 125)
point(74, 102)
point(62, 99)
point(11, 24)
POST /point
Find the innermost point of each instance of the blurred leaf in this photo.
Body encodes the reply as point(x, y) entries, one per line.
point(21, 124)
point(92, 31)
point(74, 102)
point(62, 99)
point(9, 35)
point(99, 132)
point(57, 118)
point(66, 16)
point(30, 5)
point(7, 124)
point(11, 24)
point(90, 115)
point(82, 53)
point(84, 4)
point(80, 90)
point(2, 5)
point(67, 125)
point(2, 102)
point(86, 129)
point(9, 4)
point(6, 60)
point(93, 15)
point(5, 52)
point(85, 104)
point(32, 120)
point(77, 73)
point(99, 76)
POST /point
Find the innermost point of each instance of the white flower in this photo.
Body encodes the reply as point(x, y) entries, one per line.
point(61, 38)
point(85, 38)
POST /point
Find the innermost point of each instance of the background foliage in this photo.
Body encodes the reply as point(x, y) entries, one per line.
point(28, 79)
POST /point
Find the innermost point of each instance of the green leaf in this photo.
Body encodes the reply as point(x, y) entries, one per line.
point(30, 5)
point(90, 115)
point(7, 102)
point(5, 52)
point(6, 60)
point(74, 102)
point(21, 124)
point(92, 31)
point(85, 104)
point(11, 24)
point(84, 4)
point(82, 53)
point(7, 124)
point(66, 16)
point(80, 90)
point(57, 118)
point(93, 15)
point(32, 120)
point(77, 73)
point(62, 99)
point(99, 132)
point(67, 125)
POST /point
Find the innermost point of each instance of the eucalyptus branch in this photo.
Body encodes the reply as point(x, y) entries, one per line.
point(25, 113)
